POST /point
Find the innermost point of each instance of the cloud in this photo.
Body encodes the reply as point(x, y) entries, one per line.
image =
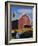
point(24, 11)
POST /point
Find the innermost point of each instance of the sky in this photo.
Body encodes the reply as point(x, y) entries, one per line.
point(18, 10)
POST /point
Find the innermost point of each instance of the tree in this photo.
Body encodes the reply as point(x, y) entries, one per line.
point(13, 14)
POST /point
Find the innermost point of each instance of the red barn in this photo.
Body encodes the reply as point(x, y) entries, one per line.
point(23, 20)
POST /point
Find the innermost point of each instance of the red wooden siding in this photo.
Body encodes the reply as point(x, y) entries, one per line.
point(24, 20)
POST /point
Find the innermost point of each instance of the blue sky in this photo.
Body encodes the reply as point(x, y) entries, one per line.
point(18, 10)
